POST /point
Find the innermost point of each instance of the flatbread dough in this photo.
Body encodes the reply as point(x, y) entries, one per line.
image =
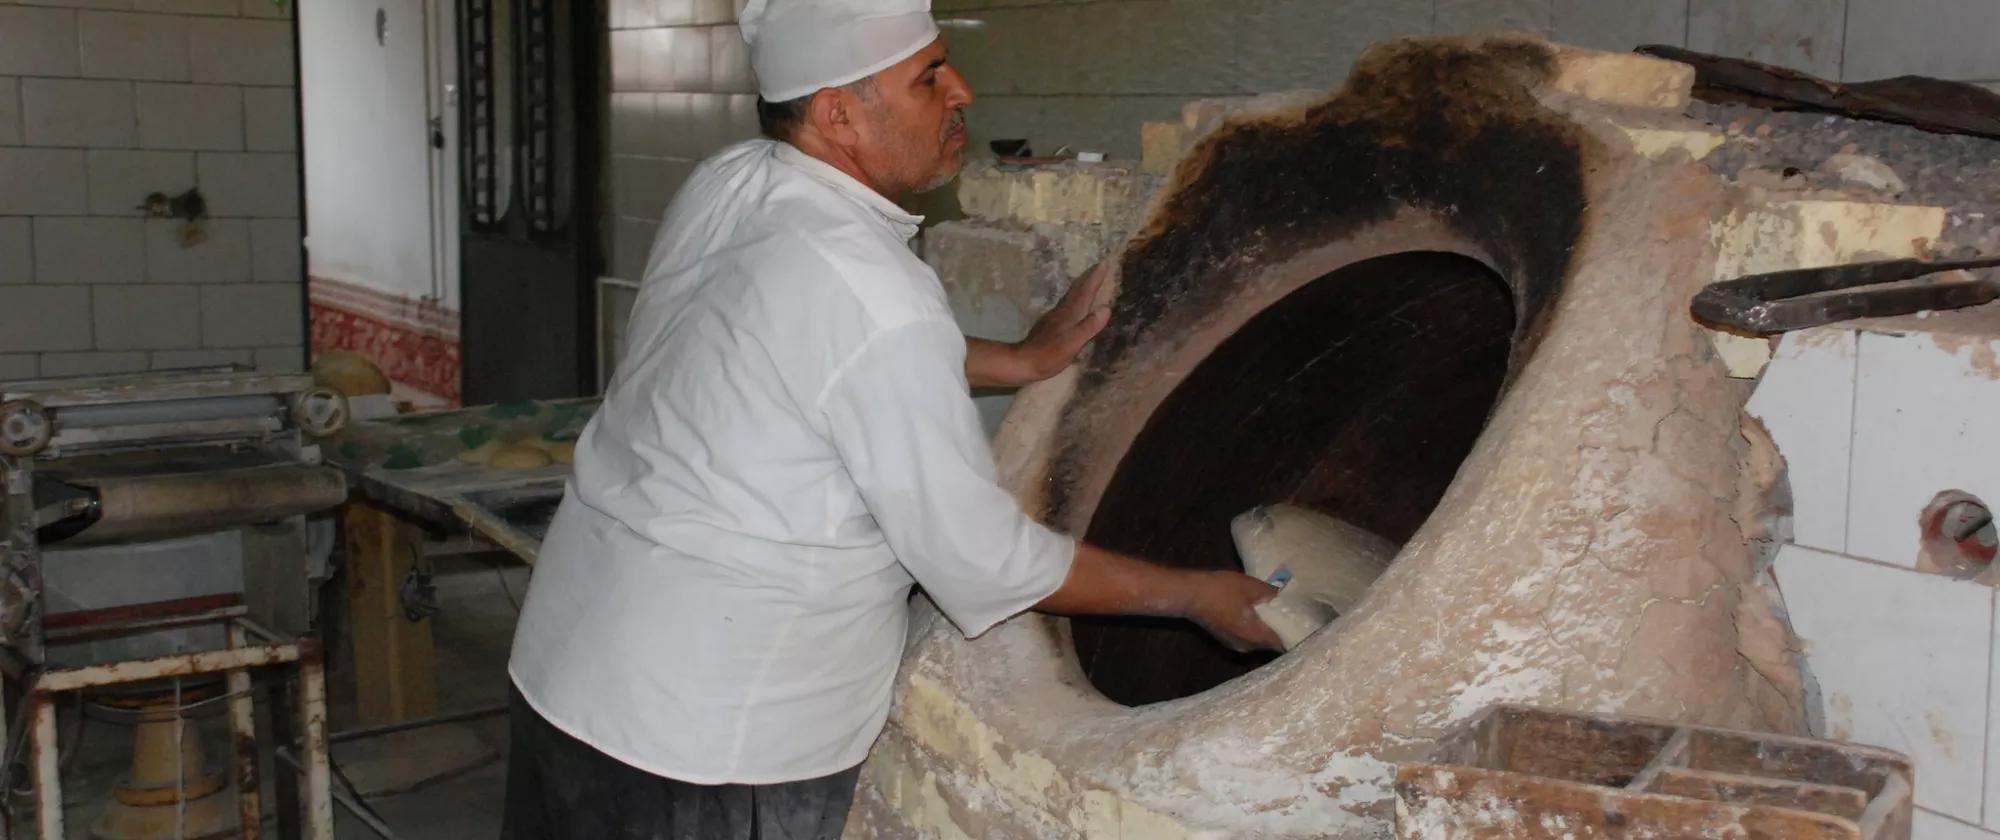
point(519, 456)
point(1324, 565)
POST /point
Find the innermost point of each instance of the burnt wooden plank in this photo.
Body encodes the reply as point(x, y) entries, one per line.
point(1926, 103)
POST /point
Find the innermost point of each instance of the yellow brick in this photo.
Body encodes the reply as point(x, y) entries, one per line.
point(1161, 147)
point(1622, 78)
point(1809, 233)
point(1660, 142)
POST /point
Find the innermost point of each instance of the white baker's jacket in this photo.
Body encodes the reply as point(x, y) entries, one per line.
point(787, 446)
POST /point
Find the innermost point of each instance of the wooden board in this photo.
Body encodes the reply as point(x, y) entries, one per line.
point(1446, 802)
point(394, 657)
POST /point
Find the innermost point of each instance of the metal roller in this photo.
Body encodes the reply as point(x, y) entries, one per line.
point(157, 507)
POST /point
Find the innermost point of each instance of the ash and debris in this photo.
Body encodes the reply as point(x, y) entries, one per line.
point(1797, 150)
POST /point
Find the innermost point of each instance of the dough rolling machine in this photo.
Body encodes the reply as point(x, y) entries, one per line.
point(114, 466)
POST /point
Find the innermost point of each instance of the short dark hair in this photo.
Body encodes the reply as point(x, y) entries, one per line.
point(779, 120)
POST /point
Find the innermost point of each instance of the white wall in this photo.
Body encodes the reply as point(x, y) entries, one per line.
point(1873, 425)
point(369, 187)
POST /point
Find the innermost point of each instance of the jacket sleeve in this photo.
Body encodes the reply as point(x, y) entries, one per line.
point(902, 419)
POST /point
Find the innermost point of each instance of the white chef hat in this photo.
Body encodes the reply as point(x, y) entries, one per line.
point(800, 46)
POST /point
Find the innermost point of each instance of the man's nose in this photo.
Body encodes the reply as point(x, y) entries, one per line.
point(958, 92)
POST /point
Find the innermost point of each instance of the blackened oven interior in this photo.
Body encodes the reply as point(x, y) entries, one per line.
point(1357, 395)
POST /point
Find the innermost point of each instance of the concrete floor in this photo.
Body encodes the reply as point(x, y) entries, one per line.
point(473, 633)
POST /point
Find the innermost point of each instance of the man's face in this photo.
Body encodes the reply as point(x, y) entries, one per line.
point(913, 123)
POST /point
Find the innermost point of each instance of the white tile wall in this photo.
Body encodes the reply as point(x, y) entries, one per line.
point(164, 359)
point(19, 366)
point(1905, 659)
point(1622, 25)
point(89, 251)
point(1951, 39)
point(105, 101)
point(147, 317)
point(241, 51)
point(271, 119)
point(34, 181)
point(37, 42)
point(192, 117)
point(1802, 34)
point(76, 112)
point(275, 255)
point(1455, 16)
point(10, 110)
point(119, 181)
point(43, 318)
point(262, 315)
point(1924, 422)
point(1806, 401)
point(223, 255)
point(258, 185)
point(1929, 825)
point(118, 45)
point(17, 254)
point(81, 364)
point(1902, 660)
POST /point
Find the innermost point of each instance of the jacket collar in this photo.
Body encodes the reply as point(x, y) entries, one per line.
point(904, 222)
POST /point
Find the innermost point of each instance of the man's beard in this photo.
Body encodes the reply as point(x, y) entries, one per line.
point(947, 173)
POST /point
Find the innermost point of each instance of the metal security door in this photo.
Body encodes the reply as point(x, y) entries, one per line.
point(529, 88)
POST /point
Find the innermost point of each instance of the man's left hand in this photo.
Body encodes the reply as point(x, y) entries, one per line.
point(1052, 344)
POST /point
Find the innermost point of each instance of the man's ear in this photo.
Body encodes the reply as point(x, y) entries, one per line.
point(832, 113)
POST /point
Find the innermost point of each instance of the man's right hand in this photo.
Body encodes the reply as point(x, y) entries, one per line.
point(1223, 605)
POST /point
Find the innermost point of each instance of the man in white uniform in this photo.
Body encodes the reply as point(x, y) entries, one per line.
point(789, 446)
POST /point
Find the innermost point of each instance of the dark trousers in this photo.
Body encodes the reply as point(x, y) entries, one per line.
point(559, 788)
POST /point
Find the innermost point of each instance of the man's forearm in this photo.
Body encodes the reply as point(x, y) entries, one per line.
point(1104, 582)
point(991, 364)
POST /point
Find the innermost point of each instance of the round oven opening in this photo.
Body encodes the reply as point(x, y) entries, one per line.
point(1357, 396)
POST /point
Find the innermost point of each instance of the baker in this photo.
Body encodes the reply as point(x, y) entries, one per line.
point(788, 447)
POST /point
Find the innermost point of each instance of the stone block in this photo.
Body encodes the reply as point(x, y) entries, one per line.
point(118, 45)
point(35, 319)
point(92, 363)
point(17, 253)
point(977, 261)
point(222, 255)
point(1113, 194)
point(270, 119)
point(38, 42)
point(190, 117)
point(89, 251)
point(1623, 79)
point(76, 112)
point(261, 315)
point(120, 180)
point(146, 317)
point(241, 51)
point(42, 182)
